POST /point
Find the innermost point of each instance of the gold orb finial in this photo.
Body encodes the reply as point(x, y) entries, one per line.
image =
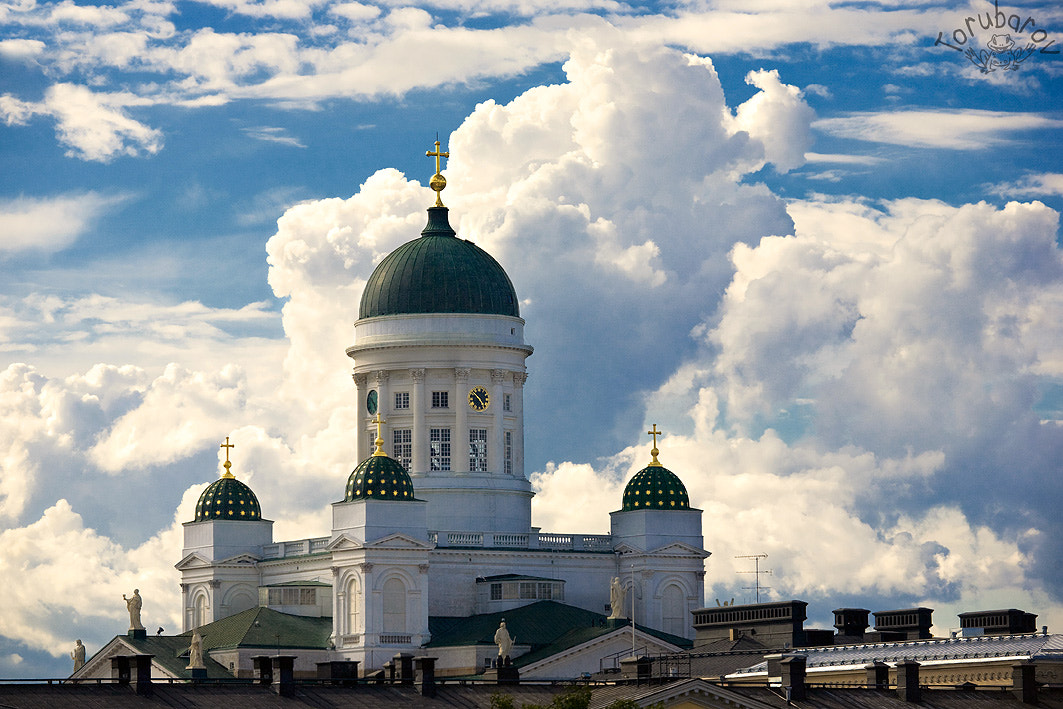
point(227, 464)
point(379, 442)
point(438, 183)
point(653, 451)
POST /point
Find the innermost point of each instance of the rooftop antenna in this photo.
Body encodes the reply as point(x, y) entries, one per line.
point(756, 570)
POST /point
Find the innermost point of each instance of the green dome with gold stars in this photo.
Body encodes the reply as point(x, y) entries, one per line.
point(227, 498)
point(379, 477)
point(655, 487)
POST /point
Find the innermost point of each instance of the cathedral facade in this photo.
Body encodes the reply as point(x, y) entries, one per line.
point(435, 521)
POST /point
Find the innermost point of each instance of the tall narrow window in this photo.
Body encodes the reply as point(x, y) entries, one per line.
point(402, 400)
point(478, 450)
point(508, 460)
point(394, 606)
point(440, 399)
point(507, 402)
point(353, 601)
point(439, 448)
point(402, 446)
point(202, 616)
point(673, 610)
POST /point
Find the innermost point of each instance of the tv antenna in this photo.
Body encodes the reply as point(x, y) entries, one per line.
point(757, 571)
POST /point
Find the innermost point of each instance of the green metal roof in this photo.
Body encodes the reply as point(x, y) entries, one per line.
point(438, 273)
point(380, 478)
point(171, 653)
point(264, 628)
point(655, 487)
point(227, 498)
point(548, 627)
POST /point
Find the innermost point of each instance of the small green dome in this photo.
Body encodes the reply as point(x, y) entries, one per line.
point(655, 487)
point(379, 477)
point(227, 498)
point(438, 273)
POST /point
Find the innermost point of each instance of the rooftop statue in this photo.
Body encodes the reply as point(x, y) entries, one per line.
point(133, 604)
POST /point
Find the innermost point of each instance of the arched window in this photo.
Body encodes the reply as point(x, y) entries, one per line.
point(394, 606)
point(201, 615)
point(353, 603)
point(673, 611)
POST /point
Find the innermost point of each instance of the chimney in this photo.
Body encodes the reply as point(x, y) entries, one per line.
point(425, 676)
point(284, 675)
point(851, 622)
point(263, 668)
point(878, 675)
point(402, 665)
point(143, 663)
point(793, 677)
point(1024, 682)
point(908, 681)
point(343, 672)
point(120, 669)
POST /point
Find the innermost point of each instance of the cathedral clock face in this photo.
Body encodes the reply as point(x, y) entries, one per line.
point(479, 399)
point(370, 402)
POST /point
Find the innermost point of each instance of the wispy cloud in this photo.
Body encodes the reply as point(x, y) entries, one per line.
point(966, 129)
point(272, 134)
point(50, 224)
point(1039, 185)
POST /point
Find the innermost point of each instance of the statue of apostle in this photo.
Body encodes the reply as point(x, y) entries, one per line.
point(133, 604)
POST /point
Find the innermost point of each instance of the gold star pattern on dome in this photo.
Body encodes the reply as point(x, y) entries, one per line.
point(379, 478)
point(227, 497)
point(655, 487)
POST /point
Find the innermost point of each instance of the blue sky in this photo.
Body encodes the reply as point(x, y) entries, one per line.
point(820, 251)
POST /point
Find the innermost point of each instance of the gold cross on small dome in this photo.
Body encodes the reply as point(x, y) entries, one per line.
point(653, 452)
point(438, 182)
point(379, 438)
point(227, 464)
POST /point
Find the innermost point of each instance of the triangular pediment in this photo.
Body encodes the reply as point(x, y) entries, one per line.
point(345, 542)
point(195, 560)
point(696, 693)
point(399, 541)
point(680, 549)
point(625, 548)
point(607, 645)
point(239, 560)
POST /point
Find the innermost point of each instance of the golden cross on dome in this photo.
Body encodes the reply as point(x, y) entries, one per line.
point(654, 432)
point(379, 439)
point(227, 464)
point(438, 182)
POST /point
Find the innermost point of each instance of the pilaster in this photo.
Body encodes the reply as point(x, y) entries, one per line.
point(459, 438)
point(419, 458)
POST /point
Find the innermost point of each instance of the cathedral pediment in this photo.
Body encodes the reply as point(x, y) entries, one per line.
point(399, 541)
point(680, 549)
point(195, 560)
point(345, 542)
point(239, 560)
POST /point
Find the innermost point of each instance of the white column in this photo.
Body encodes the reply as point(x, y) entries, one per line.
point(459, 437)
point(339, 618)
point(518, 435)
point(497, 444)
point(360, 442)
point(419, 462)
point(382, 406)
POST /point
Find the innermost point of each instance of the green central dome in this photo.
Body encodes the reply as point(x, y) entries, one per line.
point(227, 498)
point(655, 487)
point(379, 477)
point(438, 273)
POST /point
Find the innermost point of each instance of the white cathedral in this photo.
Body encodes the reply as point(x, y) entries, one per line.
point(433, 543)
